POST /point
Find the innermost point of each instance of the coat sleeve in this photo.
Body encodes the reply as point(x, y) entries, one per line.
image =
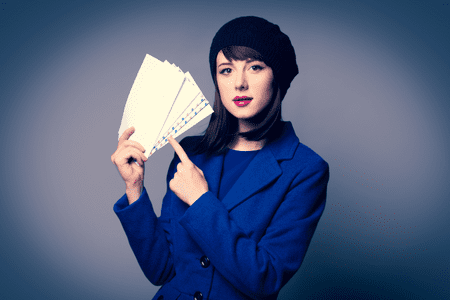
point(148, 235)
point(260, 269)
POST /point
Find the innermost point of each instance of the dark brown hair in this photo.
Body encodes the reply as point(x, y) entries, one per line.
point(223, 126)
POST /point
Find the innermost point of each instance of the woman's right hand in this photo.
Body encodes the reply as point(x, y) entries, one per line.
point(124, 158)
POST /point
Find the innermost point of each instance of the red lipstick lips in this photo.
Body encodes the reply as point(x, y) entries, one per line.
point(242, 101)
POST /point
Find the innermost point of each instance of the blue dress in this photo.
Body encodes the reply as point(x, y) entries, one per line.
point(244, 241)
point(234, 164)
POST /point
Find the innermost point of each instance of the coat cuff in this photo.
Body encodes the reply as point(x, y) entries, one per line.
point(131, 212)
point(195, 219)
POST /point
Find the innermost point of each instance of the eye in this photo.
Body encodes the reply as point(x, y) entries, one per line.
point(225, 71)
point(256, 68)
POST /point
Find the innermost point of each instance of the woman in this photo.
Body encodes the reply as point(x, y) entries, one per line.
point(242, 201)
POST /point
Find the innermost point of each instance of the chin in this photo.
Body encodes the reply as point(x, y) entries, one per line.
point(243, 116)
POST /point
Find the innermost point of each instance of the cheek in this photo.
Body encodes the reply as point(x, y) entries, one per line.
point(265, 88)
point(222, 89)
point(224, 85)
point(224, 92)
point(269, 86)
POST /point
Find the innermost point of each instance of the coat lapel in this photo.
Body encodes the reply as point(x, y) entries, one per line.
point(261, 171)
point(264, 168)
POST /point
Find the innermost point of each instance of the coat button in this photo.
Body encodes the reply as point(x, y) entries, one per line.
point(198, 296)
point(161, 297)
point(205, 261)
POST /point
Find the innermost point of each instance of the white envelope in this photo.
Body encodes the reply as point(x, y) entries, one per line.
point(163, 101)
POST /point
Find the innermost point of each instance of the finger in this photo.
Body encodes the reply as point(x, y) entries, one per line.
point(126, 134)
point(135, 161)
point(179, 150)
point(122, 155)
point(138, 165)
point(130, 153)
point(135, 144)
point(181, 167)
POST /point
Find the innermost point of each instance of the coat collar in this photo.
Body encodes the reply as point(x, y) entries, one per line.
point(262, 170)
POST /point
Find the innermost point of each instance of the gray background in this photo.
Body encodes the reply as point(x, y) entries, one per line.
point(372, 98)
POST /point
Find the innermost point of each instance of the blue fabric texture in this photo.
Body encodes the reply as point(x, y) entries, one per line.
point(234, 164)
point(245, 246)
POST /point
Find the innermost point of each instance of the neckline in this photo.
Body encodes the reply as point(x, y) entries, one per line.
point(243, 150)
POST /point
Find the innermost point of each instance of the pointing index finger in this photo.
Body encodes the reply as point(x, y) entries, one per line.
point(179, 150)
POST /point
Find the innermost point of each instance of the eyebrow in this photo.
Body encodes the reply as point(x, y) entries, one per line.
point(228, 63)
point(249, 60)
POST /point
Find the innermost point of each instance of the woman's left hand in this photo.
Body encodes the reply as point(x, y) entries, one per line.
point(188, 182)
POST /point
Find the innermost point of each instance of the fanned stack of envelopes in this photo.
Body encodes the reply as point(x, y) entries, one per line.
point(163, 102)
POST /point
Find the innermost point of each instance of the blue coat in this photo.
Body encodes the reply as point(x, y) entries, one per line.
point(246, 246)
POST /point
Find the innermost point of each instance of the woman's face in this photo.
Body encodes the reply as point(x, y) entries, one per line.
point(245, 87)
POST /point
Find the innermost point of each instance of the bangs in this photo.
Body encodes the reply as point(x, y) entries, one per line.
point(241, 53)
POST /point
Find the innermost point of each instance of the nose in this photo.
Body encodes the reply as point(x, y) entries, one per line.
point(241, 83)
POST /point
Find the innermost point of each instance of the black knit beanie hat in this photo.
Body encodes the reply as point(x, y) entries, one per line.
point(264, 37)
